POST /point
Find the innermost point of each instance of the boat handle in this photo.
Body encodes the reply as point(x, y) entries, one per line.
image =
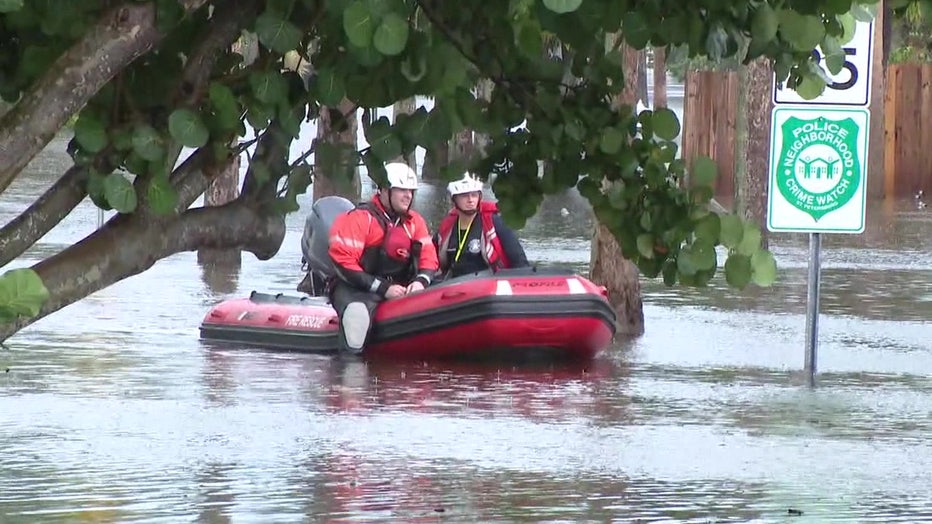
point(451, 294)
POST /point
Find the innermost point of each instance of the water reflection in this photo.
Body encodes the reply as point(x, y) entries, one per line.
point(113, 410)
point(220, 270)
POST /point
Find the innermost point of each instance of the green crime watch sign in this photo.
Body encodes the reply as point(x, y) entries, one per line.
point(818, 170)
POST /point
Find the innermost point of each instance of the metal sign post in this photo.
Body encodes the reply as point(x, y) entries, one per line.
point(818, 165)
point(812, 305)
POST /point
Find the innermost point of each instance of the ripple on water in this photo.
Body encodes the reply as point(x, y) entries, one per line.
point(113, 412)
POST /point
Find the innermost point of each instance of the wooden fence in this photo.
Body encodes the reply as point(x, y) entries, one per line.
point(709, 115)
point(907, 136)
point(709, 112)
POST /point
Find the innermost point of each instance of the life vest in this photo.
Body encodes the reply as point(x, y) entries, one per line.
point(492, 251)
point(394, 257)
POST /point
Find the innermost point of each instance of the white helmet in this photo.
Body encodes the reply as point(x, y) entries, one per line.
point(400, 176)
point(467, 184)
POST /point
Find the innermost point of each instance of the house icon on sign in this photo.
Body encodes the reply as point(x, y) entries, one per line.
point(818, 168)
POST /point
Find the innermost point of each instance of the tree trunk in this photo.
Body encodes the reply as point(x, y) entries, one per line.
point(406, 107)
point(483, 92)
point(875, 149)
point(752, 192)
point(660, 79)
point(741, 142)
point(608, 267)
point(434, 160)
point(222, 189)
point(327, 184)
point(641, 77)
point(462, 147)
point(127, 246)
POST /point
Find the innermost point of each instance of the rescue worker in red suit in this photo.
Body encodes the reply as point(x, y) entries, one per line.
point(473, 237)
point(381, 250)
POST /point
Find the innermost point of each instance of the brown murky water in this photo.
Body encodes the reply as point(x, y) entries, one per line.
point(113, 411)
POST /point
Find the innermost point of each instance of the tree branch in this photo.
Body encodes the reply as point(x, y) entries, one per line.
point(271, 157)
point(44, 214)
point(190, 180)
point(235, 225)
point(498, 80)
point(195, 78)
point(129, 246)
point(229, 18)
point(122, 34)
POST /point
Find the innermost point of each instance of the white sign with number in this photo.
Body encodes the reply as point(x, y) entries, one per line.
point(852, 85)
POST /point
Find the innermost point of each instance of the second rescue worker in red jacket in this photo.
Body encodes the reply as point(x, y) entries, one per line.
point(382, 249)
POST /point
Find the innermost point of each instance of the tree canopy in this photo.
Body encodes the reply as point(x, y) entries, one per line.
point(145, 79)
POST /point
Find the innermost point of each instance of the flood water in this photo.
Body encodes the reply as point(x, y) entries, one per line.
point(112, 410)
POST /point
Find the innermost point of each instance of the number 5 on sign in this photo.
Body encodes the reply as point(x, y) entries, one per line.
point(852, 85)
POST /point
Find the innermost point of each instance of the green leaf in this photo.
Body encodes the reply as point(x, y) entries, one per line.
point(861, 13)
point(187, 128)
point(665, 124)
point(120, 193)
point(849, 26)
point(276, 33)
point(635, 29)
point(738, 270)
point(95, 190)
point(383, 140)
point(709, 228)
point(147, 143)
point(562, 6)
point(269, 87)
point(810, 87)
point(122, 139)
point(705, 256)
point(298, 181)
point(22, 293)
point(259, 115)
point(704, 171)
point(764, 23)
point(9, 6)
point(391, 37)
point(161, 195)
point(732, 231)
point(167, 15)
point(751, 239)
point(804, 32)
point(645, 244)
point(696, 258)
point(833, 54)
point(358, 23)
point(336, 161)
point(438, 129)
point(329, 88)
point(90, 133)
point(289, 118)
point(528, 38)
point(764, 268)
point(227, 110)
point(611, 140)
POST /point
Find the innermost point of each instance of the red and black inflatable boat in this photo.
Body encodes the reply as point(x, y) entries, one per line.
point(501, 315)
